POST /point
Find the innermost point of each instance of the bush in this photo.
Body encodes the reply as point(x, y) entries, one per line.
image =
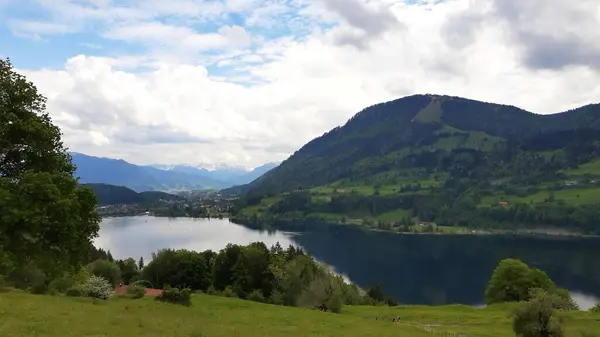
point(81, 277)
point(228, 292)
point(60, 285)
point(391, 301)
point(212, 291)
point(323, 294)
point(538, 315)
point(98, 287)
point(29, 278)
point(256, 296)
point(75, 292)
point(110, 271)
point(135, 292)
point(176, 296)
point(596, 308)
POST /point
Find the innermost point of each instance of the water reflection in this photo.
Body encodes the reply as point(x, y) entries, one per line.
point(413, 268)
point(142, 235)
point(421, 269)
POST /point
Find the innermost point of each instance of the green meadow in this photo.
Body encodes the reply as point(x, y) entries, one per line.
point(23, 314)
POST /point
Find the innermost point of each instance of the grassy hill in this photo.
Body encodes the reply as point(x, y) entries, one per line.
point(448, 160)
point(112, 195)
point(34, 315)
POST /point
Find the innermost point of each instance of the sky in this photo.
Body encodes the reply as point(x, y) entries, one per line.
point(246, 82)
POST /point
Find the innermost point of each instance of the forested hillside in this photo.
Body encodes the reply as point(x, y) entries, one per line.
point(447, 160)
point(113, 195)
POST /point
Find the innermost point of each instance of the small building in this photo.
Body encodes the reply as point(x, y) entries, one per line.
point(570, 183)
point(503, 203)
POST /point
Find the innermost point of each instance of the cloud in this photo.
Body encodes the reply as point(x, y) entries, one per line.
point(34, 29)
point(161, 35)
point(221, 86)
point(549, 34)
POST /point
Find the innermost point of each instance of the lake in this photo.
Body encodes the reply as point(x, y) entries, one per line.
point(416, 269)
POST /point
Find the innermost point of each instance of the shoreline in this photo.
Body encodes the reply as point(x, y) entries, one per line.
point(246, 222)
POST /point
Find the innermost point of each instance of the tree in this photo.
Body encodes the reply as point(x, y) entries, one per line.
point(376, 293)
point(45, 216)
point(29, 142)
point(129, 270)
point(106, 269)
point(513, 280)
point(537, 317)
point(141, 263)
point(323, 293)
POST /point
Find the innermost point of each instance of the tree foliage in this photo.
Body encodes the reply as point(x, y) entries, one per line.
point(538, 317)
point(45, 216)
point(98, 287)
point(108, 270)
point(255, 272)
point(514, 281)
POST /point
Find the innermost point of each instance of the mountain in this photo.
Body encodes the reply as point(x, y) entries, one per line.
point(399, 135)
point(113, 195)
point(228, 174)
point(162, 177)
point(138, 178)
point(428, 160)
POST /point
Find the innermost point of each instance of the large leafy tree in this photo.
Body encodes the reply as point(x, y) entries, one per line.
point(513, 280)
point(46, 217)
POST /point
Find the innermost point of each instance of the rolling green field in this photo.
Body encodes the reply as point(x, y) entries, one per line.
point(35, 315)
point(572, 196)
point(591, 168)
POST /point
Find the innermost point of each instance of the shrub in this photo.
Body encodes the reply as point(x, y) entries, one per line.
point(110, 271)
point(391, 301)
point(98, 287)
point(135, 291)
point(228, 292)
point(537, 317)
point(75, 292)
point(176, 296)
point(81, 277)
point(256, 296)
point(596, 308)
point(61, 284)
point(567, 302)
point(323, 294)
point(212, 291)
point(29, 278)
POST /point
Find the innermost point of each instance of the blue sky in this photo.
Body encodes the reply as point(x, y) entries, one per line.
point(251, 81)
point(44, 33)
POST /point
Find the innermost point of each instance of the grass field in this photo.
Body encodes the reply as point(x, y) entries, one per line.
point(571, 196)
point(35, 315)
point(591, 168)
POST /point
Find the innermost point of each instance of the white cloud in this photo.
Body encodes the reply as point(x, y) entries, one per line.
point(178, 111)
point(159, 35)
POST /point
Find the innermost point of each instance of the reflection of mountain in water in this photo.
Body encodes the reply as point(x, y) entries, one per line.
point(419, 269)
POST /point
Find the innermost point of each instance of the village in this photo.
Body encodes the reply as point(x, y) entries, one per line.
point(193, 205)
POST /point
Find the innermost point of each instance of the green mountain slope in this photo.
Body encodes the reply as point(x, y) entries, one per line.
point(449, 160)
point(397, 135)
point(113, 195)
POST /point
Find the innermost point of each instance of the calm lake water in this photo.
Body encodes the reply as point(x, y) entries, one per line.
point(416, 269)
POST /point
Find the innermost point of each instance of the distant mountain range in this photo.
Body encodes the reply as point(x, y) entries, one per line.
point(169, 178)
